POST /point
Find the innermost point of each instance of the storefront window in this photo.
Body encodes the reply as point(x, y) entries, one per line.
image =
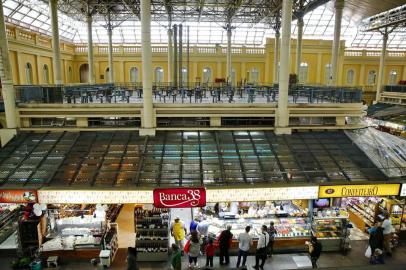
point(233, 77)
point(28, 73)
point(393, 77)
point(107, 75)
point(159, 75)
point(184, 75)
point(327, 75)
point(46, 74)
point(70, 74)
point(254, 76)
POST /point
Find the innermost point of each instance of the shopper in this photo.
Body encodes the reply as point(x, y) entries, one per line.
point(272, 233)
point(262, 245)
point(178, 231)
point(194, 224)
point(132, 259)
point(244, 244)
point(209, 250)
point(315, 249)
point(224, 241)
point(376, 237)
point(192, 248)
point(203, 229)
point(387, 234)
point(176, 259)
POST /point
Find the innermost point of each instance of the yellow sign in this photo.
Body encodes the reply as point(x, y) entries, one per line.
point(358, 190)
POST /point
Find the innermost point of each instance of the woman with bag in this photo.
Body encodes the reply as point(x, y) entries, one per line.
point(192, 248)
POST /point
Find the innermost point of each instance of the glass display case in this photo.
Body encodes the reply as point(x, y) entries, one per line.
point(331, 231)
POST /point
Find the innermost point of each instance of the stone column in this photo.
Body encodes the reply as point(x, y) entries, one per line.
point(148, 110)
point(111, 63)
point(362, 75)
point(282, 113)
point(299, 44)
point(170, 54)
point(90, 57)
point(381, 74)
point(338, 6)
point(276, 58)
point(229, 53)
point(56, 49)
point(7, 76)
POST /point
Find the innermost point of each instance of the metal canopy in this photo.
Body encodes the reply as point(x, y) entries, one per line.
point(193, 158)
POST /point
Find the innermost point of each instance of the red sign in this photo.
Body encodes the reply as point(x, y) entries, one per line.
point(18, 196)
point(179, 197)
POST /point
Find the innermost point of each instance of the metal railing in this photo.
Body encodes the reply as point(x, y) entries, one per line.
point(187, 93)
point(395, 88)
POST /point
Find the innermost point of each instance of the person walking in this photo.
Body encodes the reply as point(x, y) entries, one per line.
point(132, 259)
point(203, 229)
point(178, 231)
point(194, 224)
point(224, 241)
point(262, 245)
point(244, 244)
point(315, 248)
point(209, 250)
point(193, 248)
point(376, 237)
point(272, 233)
point(176, 259)
point(387, 234)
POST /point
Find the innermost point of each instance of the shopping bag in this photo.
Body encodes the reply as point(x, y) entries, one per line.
point(368, 252)
point(187, 246)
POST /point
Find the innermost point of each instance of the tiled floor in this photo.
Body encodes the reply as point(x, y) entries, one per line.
point(355, 258)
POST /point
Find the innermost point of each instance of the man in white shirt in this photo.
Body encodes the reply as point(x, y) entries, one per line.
point(244, 244)
point(262, 245)
point(387, 234)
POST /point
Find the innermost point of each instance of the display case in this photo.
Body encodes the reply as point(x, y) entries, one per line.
point(152, 234)
point(7, 218)
point(330, 231)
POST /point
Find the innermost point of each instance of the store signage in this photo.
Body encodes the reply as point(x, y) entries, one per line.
point(179, 197)
point(403, 190)
point(358, 190)
point(18, 196)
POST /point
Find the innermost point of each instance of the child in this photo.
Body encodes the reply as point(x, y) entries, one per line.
point(210, 248)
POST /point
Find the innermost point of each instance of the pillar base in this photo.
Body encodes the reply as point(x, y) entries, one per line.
point(283, 131)
point(6, 134)
point(147, 132)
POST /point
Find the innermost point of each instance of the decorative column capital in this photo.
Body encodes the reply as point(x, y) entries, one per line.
point(339, 4)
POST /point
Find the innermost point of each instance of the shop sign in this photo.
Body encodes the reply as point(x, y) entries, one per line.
point(179, 197)
point(403, 190)
point(18, 196)
point(358, 190)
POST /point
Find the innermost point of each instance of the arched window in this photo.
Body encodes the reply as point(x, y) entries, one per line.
point(327, 74)
point(393, 77)
point(70, 74)
point(159, 75)
point(350, 77)
point(184, 75)
point(46, 74)
point(28, 73)
point(303, 72)
point(233, 77)
point(206, 75)
point(84, 73)
point(254, 76)
point(107, 75)
point(372, 77)
point(133, 74)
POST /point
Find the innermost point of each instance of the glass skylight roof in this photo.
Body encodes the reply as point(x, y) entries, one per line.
point(319, 24)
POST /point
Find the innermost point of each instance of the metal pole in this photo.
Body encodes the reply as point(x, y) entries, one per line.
point(90, 58)
point(170, 54)
point(282, 117)
point(382, 65)
point(229, 53)
point(148, 121)
point(188, 57)
point(110, 36)
point(180, 56)
point(7, 76)
point(175, 56)
point(338, 6)
point(299, 44)
point(56, 50)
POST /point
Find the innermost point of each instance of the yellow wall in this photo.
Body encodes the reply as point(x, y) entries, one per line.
point(316, 53)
